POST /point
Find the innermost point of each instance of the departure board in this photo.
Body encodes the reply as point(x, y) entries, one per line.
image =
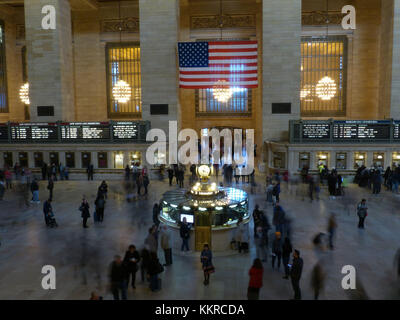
point(361, 130)
point(125, 130)
point(396, 129)
point(85, 131)
point(316, 131)
point(3, 132)
point(38, 132)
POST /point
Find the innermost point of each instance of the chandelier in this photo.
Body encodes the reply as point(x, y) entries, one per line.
point(24, 93)
point(222, 92)
point(305, 92)
point(122, 91)
point(326, 88)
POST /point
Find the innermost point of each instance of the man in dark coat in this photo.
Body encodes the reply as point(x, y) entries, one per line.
point(170, 175)
point(295, 274)
point(118, 276)
point(279, 218)
point(100, 203)
point(44, 171)
point(47, 209)
point(185, 234)
point(90, 171)
point(131, 261)
point(50, 187)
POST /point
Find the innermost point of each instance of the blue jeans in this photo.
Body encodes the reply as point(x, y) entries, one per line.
point(35, 195)
point(396, 186)
point(185, 244)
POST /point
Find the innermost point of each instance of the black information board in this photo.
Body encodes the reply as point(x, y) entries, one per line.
point(396, 129)
point(361, 130)
point(125, 130)
point(85, 131)
point(3, 132)
point(316, 131)
point(37, 132)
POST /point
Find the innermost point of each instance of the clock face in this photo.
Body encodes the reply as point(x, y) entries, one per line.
point(204, 171)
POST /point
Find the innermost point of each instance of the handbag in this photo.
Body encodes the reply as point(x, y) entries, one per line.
point(209, 269)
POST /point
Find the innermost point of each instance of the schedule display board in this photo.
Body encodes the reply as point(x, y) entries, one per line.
point(85, 131)
point(396, 130)
point(125, 131)
point(3, 132)
point(361, 130)
point(316, 131)
point(33, 132)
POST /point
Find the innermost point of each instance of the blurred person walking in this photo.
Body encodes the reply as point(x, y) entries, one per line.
point(256, 280)
point(362, 212)
point(295, 274)
point(286, 251)
point(206, 261)
point(317, 280)
point(118, 278)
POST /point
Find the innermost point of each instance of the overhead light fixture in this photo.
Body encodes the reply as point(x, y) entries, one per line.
point(222, 92)
point(24, 93)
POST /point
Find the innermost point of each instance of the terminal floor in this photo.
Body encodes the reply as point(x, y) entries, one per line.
point(81, 256)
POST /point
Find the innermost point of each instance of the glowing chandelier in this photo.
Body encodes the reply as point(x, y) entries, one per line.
point(24, 93)
point(122, 91)
point(305, 92)
point(221, 91)
point(326, 87)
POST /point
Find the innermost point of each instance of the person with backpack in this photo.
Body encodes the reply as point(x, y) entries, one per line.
point(362, 213)
point(256, 277)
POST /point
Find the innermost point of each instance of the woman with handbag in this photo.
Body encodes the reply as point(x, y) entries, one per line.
point(84, 208)
point(206, 261)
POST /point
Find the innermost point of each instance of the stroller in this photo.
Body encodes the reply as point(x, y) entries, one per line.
point(51, 221)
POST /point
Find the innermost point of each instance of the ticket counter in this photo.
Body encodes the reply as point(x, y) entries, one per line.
point(70, 159)
point(323, 158)
point(359, 159)
point(395, 159)
point(8, 159)
point(23, 159)
point(379, 159)
point(118, 160)
point(341, 160)
point(54, 158)
point(304, 160)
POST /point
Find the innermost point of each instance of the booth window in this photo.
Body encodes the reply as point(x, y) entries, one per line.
point(86, 159)
point(38, 159)
point(23, 159)
point(8, 159)
point(304, 160)
point(54, 158)
point(123, 63)
point(341, 160)
point(279, 160)
point(379, 159)
point(395, 159)
point(321, 57)
point(359, 159)
point(3, 73)
point(102, 159)
point(70, 159)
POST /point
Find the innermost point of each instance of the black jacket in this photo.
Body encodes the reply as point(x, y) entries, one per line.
point(117, 272)
point(34, 186)
point(130, 265)
point(185, 231)
point(286, 249)
point(297, 268)
point(84, 208)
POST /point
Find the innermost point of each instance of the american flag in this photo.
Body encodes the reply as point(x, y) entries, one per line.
point(203, 64)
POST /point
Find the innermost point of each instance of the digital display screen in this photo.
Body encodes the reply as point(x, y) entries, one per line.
point(125, 130)
point(189, 218)
point(39, 132)
point(396, 130)
point(316, 131)
point(359, 130)
point(3, 131)
point(85, 131)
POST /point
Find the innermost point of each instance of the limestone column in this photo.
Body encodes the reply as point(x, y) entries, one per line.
point(31, 159)
point(350, 160)
point(158, 43)
point(395, 91)
point(50, 63)
point(281, 27)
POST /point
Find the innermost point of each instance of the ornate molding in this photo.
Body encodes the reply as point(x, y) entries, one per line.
point(317, 18)
point(130, 24)
point(20, 32)
point(228, 21)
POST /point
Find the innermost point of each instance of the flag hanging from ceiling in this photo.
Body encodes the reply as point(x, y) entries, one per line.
point(208, 64)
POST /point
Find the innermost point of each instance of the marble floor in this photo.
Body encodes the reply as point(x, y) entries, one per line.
point(81, 256)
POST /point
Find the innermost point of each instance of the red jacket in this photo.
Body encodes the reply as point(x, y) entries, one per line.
point(256, 276)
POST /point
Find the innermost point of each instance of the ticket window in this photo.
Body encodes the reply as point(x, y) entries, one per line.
point(359, 159)
point(379, 159)
point(70, 159)
point(86, 159)
point(23, 159)
point(135, 157)
point(8, 159)
point(304, 160)
point(159, 158)
point(322, 158)
point(341, 159)
point(54, 158)
point(102, 159)
point(38, 159)
point(395, 159)
point(118, 160)
point(279, 160)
